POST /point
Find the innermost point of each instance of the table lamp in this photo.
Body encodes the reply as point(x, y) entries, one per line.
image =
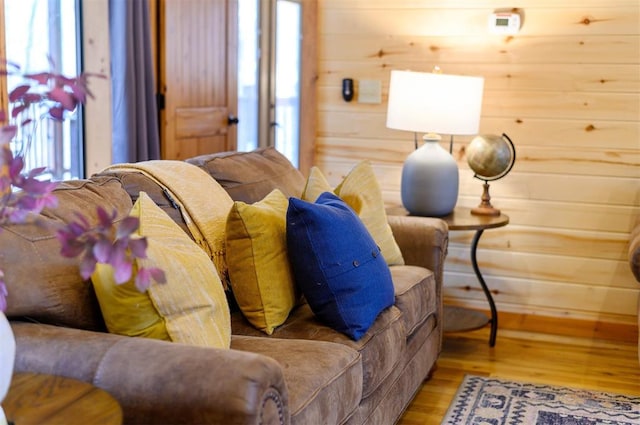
point(432, 103)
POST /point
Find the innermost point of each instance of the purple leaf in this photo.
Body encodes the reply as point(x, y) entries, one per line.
point(35, 186)
point(77, 228)
point(61, 80)
point(17, 215)
point(63, 97)
point(69, 247)
point(118, 254)
point(158, 275)
point(50, 201)
point(28, 204)
point(143, 280)
point(41, 78)
point(105, 219)
point(102, 251)
point(78, 87)
point(32, 98)
point(127, 227)
point(15, 166)
point(18, 92)
point(34, 171)
point(31, 204)
point(65, 236)
point(79, 92)
point(17, 110)
point(87, 266)
point(138, 247)
point(144, 276)
point(57, 113)
point(122, 272)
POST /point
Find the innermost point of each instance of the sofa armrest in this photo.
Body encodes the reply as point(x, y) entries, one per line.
point(423, 241)
point(158, 381)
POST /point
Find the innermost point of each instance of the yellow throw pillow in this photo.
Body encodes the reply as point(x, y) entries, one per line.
point(361, 191)
point(259, 270)
point(191, 308)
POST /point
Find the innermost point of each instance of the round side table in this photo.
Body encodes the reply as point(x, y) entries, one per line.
point(459, 318)
point(49, 399)
point(456, 318)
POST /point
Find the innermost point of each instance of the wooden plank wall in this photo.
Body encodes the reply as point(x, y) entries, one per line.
point(566, 89)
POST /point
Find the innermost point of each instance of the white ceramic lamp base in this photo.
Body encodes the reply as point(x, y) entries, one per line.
point(430, 180)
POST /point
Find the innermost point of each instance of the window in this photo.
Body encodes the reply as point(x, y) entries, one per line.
point(269, 71)
point(248, 73)
point(40, 35)
point(287, 90)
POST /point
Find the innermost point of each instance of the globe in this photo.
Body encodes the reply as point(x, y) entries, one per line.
point(490, 156)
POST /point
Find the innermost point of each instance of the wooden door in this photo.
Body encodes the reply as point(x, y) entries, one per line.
point(197, 58)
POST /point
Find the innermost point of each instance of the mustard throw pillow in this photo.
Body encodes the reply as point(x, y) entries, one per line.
point(190, 308)
point(361, 191)
point(259, 271)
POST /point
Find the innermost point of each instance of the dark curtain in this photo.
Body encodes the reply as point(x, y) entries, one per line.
point(135, 116)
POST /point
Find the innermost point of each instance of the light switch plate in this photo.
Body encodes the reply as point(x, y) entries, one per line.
point(370, 91)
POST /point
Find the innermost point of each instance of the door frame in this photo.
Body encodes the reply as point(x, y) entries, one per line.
point(308, 85)
point(308, 79)
point(309, 72)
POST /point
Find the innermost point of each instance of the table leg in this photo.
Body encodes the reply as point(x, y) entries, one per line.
point(487, 292)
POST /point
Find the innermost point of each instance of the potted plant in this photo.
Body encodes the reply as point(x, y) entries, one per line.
point(24, 194)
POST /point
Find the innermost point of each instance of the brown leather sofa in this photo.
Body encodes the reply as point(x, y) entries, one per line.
point(634, 262)
point(305, 373)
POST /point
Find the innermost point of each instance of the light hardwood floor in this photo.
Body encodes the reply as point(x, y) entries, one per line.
point(609, 366)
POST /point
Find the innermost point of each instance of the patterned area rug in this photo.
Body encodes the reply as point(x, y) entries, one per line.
point(490, 401)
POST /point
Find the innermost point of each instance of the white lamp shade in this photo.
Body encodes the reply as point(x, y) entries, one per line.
point(434, 103)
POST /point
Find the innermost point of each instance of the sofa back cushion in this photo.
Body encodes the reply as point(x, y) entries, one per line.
point(251, 176)
point(202, 201)
point(42, 284)
point(134, 182)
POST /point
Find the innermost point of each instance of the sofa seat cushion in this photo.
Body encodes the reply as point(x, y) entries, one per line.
point(250, 176)
point(415, 291)
point(382, 346)
point(324, 379)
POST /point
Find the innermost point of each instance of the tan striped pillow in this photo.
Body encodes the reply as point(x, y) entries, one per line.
point(361, 191)
point(191, 308)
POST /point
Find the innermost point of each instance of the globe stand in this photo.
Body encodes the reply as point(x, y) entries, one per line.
point(485, 207)
point(491, 158)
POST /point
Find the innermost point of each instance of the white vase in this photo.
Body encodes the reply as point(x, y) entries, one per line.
point(7, 358)
point(429, 184)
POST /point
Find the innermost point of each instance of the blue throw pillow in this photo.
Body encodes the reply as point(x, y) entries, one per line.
point(337, 264)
